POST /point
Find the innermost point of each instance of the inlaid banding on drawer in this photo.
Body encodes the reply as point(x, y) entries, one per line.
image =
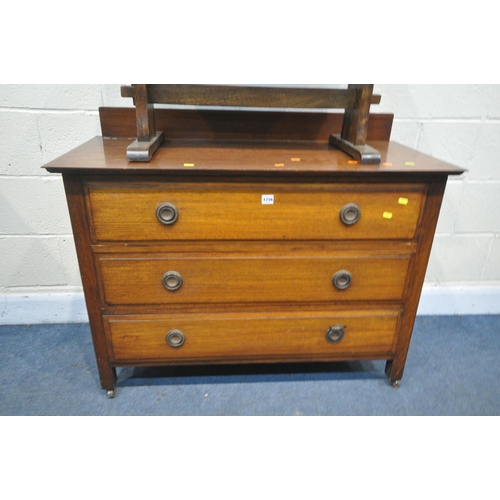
point(235, 213)
point(256, 336)
point(141, 281)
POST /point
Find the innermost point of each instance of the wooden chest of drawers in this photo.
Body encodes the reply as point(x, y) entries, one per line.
point(224, 251)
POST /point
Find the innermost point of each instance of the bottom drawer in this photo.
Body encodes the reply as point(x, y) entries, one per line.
point(247, 337)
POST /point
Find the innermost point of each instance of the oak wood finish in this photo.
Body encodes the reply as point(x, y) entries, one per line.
point(395, 366)
point(352, 139)
point(76, 207)
point(148, 139)
point(218, 337)
point(355, 100)
point(221, 211)
point(355, 124)
point(145, 120)
point(244, 96)
point(256, 279)
point(240, 125)
point(220, 279)
point(240, 160)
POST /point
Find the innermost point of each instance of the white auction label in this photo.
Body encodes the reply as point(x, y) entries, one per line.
point(268, 199)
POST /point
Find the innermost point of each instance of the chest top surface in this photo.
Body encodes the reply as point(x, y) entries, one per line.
point(103, 155)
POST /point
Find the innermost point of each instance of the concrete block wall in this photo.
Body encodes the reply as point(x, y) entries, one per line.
point(39, 277)
point(459, 124)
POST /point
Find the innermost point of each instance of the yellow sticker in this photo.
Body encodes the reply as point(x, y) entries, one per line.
point(387, 215)
point(295, 159)
point(279, 165)
point(410, 164)
point(403, 201)
point(189, 164)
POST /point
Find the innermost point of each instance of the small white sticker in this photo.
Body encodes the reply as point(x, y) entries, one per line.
point(268, 199)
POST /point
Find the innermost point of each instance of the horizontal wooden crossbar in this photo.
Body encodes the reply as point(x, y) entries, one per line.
point(236, 96)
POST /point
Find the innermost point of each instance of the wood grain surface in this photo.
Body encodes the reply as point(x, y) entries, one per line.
point(247, 96)
point(223, 279)
point(240, 125)
point(252, 337)
point(236, 211)
point(108, 156)
point(79, 222)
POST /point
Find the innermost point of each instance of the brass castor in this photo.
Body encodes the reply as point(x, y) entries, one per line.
point(396, 384)
point(111, 393)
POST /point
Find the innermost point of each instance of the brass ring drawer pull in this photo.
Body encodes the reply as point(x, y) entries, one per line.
point(172, 281)
point(335, 334)
point(350, 214)
point(167, 214)
point(342, 280)
point(175, 338)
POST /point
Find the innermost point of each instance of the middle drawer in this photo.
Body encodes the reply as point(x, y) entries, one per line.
point(209, 280)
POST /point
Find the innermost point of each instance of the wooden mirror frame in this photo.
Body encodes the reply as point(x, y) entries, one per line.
point(355, 100)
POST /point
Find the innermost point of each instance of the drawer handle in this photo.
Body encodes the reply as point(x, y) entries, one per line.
point(167, 214)
point(350, 214)
point(172, 281)
point(335, 334)
point(175, 338)
point(342, 280)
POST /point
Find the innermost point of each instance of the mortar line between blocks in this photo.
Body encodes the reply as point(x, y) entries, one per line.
point(41, 111)
point(35, 236)
point(490, 250)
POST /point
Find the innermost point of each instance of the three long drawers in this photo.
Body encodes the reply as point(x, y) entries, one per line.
point(273, 299)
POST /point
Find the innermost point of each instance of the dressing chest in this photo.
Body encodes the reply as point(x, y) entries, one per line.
point(249, 237)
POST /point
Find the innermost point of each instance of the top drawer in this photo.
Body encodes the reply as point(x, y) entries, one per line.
point(182, 211)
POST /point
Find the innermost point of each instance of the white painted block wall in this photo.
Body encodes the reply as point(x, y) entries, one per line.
point(39, 277)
